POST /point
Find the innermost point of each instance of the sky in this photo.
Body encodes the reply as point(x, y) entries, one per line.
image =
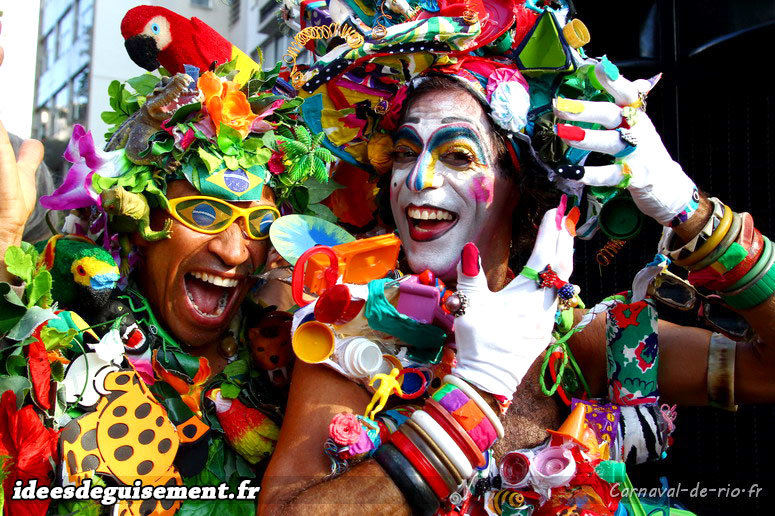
point(17, 73)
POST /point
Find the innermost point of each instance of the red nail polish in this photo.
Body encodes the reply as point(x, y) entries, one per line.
point(470, 259)
point(570, 132)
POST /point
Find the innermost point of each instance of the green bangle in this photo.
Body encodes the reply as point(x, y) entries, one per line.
point(756, 292)
point(754, 272)
point(529, 273)
point(723, 246)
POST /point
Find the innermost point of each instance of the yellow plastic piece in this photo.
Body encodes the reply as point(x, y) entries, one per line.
point(576, 33)
point(387, 386)
point(313, 342)
point(711, 243)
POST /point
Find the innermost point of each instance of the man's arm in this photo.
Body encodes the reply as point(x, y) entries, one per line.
point(295, 478)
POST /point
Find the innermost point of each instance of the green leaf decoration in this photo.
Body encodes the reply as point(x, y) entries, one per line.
point(19, 385)
point(211, 161)
point(39, 291)
point(19, 263)
point(55, 339)
point(144, 84)
point(229, 140)
point(299, 199)
point(322, 211)
point(319, 190)
point(229, 390)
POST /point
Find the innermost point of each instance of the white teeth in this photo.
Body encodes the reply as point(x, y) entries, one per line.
point(216, 280)
point(429, 214)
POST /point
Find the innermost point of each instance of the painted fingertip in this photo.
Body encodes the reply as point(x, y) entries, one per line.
point(569, 105)
point(574, 172)
point(570, 132)
point(610, 69)
point(470, 259)
point(572, 219)
point(561, 211)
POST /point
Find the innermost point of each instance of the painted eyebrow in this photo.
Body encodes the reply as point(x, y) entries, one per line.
point(450, 132)
point(409, 133)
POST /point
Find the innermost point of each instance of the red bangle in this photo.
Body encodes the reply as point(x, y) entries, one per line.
point(418, 460)
point(721, 283)
point(456, 432)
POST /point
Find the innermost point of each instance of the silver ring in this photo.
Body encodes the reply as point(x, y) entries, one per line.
point(452, 304)
point(628, 137)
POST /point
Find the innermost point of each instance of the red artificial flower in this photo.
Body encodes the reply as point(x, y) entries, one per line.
point(40, 373)
point(275, 164)
point(29, 448)
point(345, 429)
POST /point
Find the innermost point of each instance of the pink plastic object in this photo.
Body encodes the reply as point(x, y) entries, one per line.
point(418, 301)
point(329, 274)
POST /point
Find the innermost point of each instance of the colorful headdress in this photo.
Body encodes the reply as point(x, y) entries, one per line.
point(212, 116)
point(372, 51)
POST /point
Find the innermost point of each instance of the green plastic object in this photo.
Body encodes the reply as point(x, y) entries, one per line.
point(620, 218)
point(544, 49)
point(615, 472)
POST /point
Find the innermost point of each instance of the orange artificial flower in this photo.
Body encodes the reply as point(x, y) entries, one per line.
point(190, 393)
point(226, 104)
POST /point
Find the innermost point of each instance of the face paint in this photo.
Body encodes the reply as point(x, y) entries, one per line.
point(444, 188)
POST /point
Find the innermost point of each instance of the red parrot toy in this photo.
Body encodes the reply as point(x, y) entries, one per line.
point(248, 430)
point(156, 36)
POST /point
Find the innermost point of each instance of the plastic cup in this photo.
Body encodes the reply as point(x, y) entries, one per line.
point(313, 342)
point(337, 306)
point(620, 218)
point(514, 469)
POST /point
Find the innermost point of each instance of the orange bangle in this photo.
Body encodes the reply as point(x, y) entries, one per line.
point(711, 243)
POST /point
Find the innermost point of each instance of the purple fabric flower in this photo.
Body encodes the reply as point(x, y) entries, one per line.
point(76, 190)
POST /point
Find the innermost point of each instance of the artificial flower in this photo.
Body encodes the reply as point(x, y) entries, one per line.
point(390, 120)
point(190, 393)
point(226, 104)
point(345, 429)
point(29, 449)
point(40, 372)
point(380, 152)
point(510, 103)
point(275, 164)
point(76, 190)
point(355, 203)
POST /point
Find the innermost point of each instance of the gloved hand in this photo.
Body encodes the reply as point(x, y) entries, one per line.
point(502, 333)
point(658, 185)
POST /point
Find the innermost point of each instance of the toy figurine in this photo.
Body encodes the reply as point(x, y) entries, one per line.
point(387, 386)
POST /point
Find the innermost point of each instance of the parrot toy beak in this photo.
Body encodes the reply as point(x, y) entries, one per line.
point(143, 51)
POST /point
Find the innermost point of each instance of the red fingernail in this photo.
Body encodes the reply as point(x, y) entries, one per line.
point(470, 259)
point(572, 220)
point(570, 132)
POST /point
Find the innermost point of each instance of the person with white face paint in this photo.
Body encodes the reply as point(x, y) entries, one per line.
point(464, 198)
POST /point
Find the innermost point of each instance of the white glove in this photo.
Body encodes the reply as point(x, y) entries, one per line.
point(502, 333)
point(658, 185)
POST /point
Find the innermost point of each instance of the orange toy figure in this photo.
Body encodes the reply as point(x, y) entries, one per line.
point(248, 430)
point(270, 345)
point(387, 386)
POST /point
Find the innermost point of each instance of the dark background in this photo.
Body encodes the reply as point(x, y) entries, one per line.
point(714, 109)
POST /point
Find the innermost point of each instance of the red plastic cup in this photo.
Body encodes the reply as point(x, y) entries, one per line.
point(337, 306)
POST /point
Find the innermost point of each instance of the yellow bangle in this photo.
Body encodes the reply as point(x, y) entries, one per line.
point(711, 243)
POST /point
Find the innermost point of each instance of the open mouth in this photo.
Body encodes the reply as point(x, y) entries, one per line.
point(209, 295)
point(429, 222)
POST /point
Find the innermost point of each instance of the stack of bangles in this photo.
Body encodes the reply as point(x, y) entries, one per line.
point(433, 453)
point(729, 255)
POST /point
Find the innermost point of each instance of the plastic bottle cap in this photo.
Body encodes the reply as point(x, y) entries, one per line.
point(620, 218)
point(313, 342)
point(514, 468)
point(612, 471)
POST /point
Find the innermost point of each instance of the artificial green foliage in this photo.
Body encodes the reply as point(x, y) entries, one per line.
point(23, 262)
point(308, 158)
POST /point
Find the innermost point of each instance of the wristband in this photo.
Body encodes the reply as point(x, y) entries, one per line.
point(426, 442)
point(669, 237)
point(445, 442)
point(733, 256)
point(468, 414)
point(754, 250)
point(721, 372)
point(471, 393)
point(457, 432)
point(424, 460)
point(757, 268)
point(756, 292)
point(723, 246)
point(418, 494)
point(688, 211)
point(711, 243)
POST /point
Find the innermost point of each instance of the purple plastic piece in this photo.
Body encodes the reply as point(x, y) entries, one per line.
point(418, 301)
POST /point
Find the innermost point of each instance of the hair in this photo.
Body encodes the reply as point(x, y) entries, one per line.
point(537, 193)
